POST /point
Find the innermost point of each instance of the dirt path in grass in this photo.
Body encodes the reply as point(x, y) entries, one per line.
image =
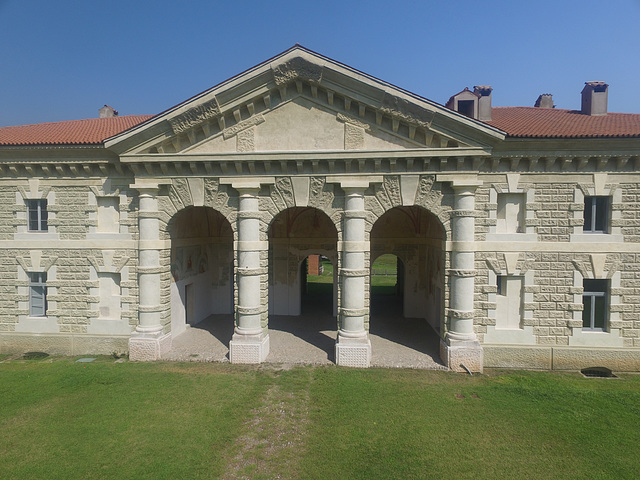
point(274, 437)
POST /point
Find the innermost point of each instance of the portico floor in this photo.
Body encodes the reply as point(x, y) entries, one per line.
point(310, 339)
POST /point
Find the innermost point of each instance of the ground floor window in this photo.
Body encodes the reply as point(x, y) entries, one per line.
point(37, 294)
point(594, 300)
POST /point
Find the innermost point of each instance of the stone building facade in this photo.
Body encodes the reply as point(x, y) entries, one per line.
point(518, 228)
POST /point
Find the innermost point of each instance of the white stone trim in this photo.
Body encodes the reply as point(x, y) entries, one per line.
point(612, 337)
point(520, 336)
point(26, 323)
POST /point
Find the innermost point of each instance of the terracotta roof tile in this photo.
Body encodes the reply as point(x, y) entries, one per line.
point(75, 132)
point(525, 122)
point(535, 122)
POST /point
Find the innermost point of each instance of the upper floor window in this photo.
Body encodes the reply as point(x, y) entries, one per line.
point(596, 215)
point(38, 216)
point(37, 294)
point(594, 300)
point(510, 214)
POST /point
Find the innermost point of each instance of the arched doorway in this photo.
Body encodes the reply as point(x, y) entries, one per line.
point(201, 268)
point(296, 308)
point(387, 284)
point(413, 318)
point(319, 283)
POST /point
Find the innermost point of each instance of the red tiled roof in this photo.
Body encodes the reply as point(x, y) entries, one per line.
point(535, 122)
point(525, 122)
point(74, 132)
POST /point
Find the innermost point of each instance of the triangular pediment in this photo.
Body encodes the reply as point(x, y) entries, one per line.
point(303, 102)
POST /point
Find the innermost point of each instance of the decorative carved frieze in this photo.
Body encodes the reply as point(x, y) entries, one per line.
point(243, 125)
point(194, 116)
point(296, 68)
point(347, 119)
point(406, 111)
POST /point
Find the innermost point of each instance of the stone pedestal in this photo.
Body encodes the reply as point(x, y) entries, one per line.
point(146, 347)
point(458, 354)
point(353, 352)
point(248, 348)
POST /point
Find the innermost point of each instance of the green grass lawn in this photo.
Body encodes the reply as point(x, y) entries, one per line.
point(62, 419)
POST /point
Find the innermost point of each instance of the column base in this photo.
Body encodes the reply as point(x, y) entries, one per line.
point(458, 354)
point(148, 347)
point(353, 352)
point(249, 348)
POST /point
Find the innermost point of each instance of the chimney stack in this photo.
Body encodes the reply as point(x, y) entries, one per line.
point(484, 101)
point(107, 112)
point(594, 98)
point(544, 101)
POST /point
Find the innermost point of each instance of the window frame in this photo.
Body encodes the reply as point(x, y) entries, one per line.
point(41, 220)
point(594, 289)
point(599, 215)
point(38, 289)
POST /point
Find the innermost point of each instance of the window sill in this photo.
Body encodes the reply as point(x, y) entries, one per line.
point(511, 237)
point(30, 324)
point(38, 236)
point(596, 238)
point(595, 338)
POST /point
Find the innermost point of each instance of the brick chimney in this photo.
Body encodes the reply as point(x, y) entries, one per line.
point(544, 101)
point(107, 111)
point(594, 98)
point(484, 101)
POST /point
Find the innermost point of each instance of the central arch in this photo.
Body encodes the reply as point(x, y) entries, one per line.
point(295, 234)
point(413, 318)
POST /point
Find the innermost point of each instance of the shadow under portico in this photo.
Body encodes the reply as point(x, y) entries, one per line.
point(310, 338)
point(401, 342)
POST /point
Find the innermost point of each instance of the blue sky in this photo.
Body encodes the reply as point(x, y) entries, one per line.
point(64, 59)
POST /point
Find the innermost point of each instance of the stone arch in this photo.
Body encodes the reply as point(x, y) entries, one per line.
point(289, 192)
point(200, 260)
point(294, 234)
point(416, 236)
point(408, 190)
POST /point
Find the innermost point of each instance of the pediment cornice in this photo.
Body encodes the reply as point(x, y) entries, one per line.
point(299, 73)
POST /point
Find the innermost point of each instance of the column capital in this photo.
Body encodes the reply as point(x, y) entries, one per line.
point(355, 182)
point(461, 182)
point(246, 185)
point(149, 186)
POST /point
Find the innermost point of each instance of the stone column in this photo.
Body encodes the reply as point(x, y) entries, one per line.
point(148, 342)
point(353, 348)
point(460, 346)
point(250, 342)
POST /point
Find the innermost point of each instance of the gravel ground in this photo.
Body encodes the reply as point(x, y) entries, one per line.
point(310, 339)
